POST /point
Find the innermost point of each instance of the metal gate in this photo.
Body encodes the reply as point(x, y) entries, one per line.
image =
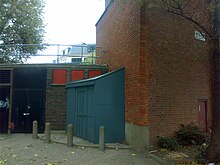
point(84, 113)
point(28, 98)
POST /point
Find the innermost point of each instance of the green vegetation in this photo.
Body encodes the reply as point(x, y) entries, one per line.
point(186, 135)
point(190, 135)
point(169, 143)
point(21, 23)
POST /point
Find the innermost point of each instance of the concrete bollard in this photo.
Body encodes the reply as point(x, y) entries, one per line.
point(47, 133)
point(34, 130)
point(70, 135)
point(102, 138)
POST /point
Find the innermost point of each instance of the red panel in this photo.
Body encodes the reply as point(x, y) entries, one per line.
point(202, 116)
point(59, 76)
point(94, 73)
point(77, 75)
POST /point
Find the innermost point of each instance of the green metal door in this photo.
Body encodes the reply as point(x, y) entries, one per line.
point(84, 118)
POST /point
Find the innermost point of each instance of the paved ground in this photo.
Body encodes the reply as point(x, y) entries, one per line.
point(21, 149)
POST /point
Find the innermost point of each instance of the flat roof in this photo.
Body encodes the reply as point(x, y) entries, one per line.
point(49, 65)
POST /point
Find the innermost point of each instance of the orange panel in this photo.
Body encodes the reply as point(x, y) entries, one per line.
point(59, 76)
point(94, 73)
point(77, 75)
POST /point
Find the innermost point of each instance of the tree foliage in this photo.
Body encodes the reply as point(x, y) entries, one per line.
point(21, 29)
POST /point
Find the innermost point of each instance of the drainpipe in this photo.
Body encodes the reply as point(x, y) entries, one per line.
point(213, 152)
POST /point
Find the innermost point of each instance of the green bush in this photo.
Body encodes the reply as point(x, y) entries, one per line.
point(201, 157)
point(190, 135)
point(169, 143)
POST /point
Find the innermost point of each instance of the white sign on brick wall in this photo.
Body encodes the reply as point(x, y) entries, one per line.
point(200, 36)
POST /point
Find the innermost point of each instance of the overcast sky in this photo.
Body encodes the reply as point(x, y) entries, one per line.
point(69, 22)
point(72, 21)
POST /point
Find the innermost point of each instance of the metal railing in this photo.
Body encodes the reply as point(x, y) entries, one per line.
point(54, 53)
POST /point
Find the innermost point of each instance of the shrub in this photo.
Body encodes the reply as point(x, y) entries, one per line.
point(190, 135)
point(201, 157)
point(169, 143)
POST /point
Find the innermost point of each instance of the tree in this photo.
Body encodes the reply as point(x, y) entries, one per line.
point(21, 29)
point(186, 10)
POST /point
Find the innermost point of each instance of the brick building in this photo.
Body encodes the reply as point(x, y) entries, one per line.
point(168, 78)
point(38, 92)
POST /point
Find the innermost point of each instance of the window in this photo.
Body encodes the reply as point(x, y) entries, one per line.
point(94, 73)
point(59, 76)
point(77, 75)
point(76, 60)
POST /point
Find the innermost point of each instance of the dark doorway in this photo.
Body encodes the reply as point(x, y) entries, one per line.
point(4, 108)
point(29, 87)
point(202, 115)
point(5, 83)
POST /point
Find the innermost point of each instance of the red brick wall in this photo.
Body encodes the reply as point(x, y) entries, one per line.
point(180, 72)
point(55, 103)
point(56, 95)
point(167, 70)
point(118, 32)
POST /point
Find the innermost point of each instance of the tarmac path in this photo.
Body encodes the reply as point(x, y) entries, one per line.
point(21, 149)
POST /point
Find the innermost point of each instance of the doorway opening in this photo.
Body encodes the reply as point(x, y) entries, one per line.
point(4, 100)
point(202, 115)
point(29, 87)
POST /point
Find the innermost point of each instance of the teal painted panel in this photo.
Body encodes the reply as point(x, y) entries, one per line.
point(84, 124)
point(90, 114)
point(98, 102)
